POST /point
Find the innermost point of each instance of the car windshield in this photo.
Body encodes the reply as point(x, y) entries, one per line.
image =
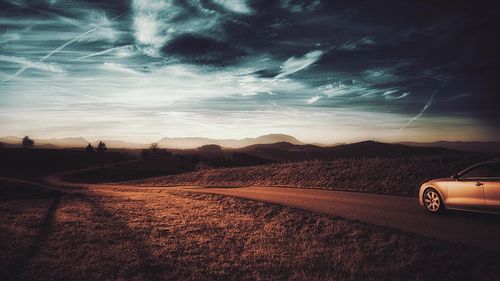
point(483, 171)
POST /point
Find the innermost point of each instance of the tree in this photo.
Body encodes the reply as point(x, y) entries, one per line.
point(27, 142)
point(210, 148)
point(145, 153)
point(101, 147)
point(153, 148)
point(89, 148)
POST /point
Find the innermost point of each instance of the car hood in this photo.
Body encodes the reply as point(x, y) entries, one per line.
point(447, 179)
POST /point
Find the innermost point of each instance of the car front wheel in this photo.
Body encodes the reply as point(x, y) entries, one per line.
point(432, 201)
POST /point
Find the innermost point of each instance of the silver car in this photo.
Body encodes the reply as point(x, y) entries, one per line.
point(476, 188)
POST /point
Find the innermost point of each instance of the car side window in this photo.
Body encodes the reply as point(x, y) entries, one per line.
point(495, 170)
point(482, 171)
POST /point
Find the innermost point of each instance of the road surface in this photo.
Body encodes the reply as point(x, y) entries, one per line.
point(403, 213)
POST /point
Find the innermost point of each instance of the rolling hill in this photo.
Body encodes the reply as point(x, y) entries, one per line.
point(472, 146)
point(194, 142)
point(284, 151)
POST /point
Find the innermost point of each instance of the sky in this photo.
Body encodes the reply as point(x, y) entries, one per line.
point(322, 71)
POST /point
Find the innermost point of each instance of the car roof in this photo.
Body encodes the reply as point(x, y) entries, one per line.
point(491, 161)
point(496, 160)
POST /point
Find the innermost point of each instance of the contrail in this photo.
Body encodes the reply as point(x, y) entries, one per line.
point(22, 69)
point(426, 106)
point(102, 52)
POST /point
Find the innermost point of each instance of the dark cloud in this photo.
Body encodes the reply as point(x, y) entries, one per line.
point(202, 50)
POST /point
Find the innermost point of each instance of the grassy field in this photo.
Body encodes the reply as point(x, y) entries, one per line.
point(143, 168)
point(401, 175)
point(33, 163)
point(157, 234)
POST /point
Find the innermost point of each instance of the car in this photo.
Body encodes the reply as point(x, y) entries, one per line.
point(476, 188)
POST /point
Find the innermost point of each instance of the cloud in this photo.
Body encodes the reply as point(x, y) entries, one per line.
point(426, 106)
point(52, 67)
point(237, 6)
point(358, 44)
point(456, 97)
point(126, 48)
point(105, 27)
point(9, 36)
point(389, 95)
point(300, 6)
point(148, 24)
point(422, 111)
point(340, 89)
point(157, 22)
point(120, 68)
point(211, 60)
point(202, 50)
point(313, 99)
point(381, 75)
point(295, 64)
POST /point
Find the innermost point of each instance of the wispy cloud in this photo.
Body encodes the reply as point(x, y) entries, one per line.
point(114, 49)
point(252, 66)
point(426, 106)
point(52, 67)
point(313, 99)
point(120, 68)
point(22, 69)
point(358, 44)
point(456, 97)
point(422, 111)
point(295, 64)
point(389, 95)
point(237, 6)
point(9, 36)
point(300, 6)
point(157, 22)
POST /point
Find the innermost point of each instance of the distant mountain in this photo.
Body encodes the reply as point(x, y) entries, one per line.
point(471, 146)
point(290, 152)
point(193, 142)
point(121, 144)
point(180, 143)
point(274, 145)
point(10, 139)
point(63, 142)
point(46, 143)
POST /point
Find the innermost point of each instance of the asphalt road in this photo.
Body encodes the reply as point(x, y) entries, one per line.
point(403, 213)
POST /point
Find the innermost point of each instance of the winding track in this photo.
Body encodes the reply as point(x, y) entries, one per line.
point(403, 213)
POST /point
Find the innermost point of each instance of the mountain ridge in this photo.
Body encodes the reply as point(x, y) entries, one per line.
point(194, 142)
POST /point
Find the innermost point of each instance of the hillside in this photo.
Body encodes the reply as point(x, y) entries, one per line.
point(31, 163)
point(401, 175)
point(472, 146)
point(290, 152)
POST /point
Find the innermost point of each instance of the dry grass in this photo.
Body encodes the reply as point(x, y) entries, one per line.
point(153, 234)
point(376, 175)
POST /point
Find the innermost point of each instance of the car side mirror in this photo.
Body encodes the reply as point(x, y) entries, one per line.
point(455, 177)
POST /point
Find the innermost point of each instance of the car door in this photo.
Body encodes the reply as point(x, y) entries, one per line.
point(492, 189)
point(467, 191)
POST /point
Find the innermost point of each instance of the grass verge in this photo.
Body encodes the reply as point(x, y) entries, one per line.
point(401, 176)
